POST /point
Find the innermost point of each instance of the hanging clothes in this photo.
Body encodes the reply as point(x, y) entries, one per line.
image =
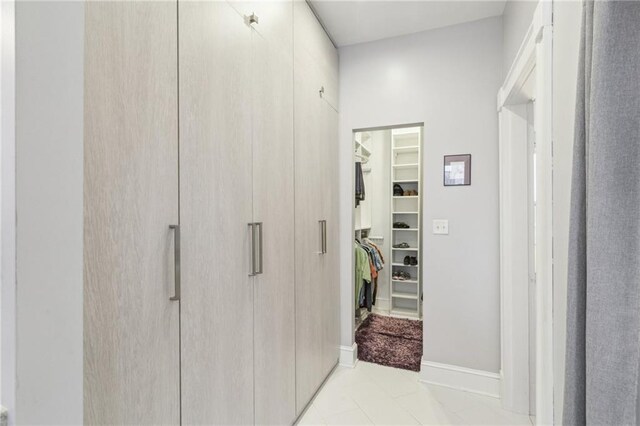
point(368, 258)
point(362, 271)
point(359, 183)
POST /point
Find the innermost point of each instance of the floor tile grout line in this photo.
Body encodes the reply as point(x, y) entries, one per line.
point(365, 413)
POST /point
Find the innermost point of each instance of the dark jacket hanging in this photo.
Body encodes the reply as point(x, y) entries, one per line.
point(359, 183)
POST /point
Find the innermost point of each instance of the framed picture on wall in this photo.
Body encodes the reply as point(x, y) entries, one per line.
point(457, 170)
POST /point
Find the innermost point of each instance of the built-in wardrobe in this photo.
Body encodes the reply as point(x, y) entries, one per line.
point(210, 231)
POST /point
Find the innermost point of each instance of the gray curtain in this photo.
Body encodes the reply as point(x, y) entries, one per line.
point(603, 315)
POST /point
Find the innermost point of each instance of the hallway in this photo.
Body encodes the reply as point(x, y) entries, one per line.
point(373, 394)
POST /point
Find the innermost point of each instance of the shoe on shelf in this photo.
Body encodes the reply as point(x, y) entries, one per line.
point(401, 245)
point(407, 260)
point(404, 276)
point(413, 260)
point(400, 225)
point(397, 190)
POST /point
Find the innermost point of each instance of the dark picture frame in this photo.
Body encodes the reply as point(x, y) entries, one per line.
point(457, 170)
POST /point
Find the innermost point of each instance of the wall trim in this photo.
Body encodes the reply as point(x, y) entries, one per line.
point(461, 378)
point(8, 337)
point(349, 355)
point(536, 52)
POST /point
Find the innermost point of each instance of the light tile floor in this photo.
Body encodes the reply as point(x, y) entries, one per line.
point(372, 394)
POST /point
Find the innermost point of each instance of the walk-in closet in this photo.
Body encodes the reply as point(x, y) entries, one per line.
point(387, 276)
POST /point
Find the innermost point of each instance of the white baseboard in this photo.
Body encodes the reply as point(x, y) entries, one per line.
point(382, 306)
point(349, 355)
point(467, 379)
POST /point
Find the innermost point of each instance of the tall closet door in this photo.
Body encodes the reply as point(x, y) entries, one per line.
point(309, 211)
point(317, 304)
point(131, 335)
point(215, 210)
point(331, 259)
point(273, 197)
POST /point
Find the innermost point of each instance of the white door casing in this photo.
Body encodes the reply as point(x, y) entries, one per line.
point(534, 54)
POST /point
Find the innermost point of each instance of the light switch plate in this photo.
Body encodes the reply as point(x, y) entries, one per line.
point(441, 226)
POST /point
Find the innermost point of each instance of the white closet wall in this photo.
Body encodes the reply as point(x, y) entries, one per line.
point(380, 194)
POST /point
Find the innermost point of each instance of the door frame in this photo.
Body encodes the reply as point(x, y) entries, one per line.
point(8, 353)
point(349, 353)
point(535, 54)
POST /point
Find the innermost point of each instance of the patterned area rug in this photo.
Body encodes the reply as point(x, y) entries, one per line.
point(393, 342)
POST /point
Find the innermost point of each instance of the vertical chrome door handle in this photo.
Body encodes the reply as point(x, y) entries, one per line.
point(256, 249)
point(252, 229)
point(176, 256)
point(324, 236)
point(258, 226)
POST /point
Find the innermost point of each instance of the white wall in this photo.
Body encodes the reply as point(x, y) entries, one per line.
point(49, 177)
point(567, 18)
point(516, 20)
point(380, 194)
point(447, 78)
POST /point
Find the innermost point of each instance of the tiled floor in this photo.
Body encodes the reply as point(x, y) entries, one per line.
point(373, 394)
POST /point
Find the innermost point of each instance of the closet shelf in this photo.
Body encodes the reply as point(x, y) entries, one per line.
point(405, 281)
point(405, 166)
point(406, 149)
point(406, 181)
point(404, 296)
point(405, 212)
point(405, 133)
point(405, 249)
point(404, 312)
point(405, 196)
point(402, 264)
point(405, 229)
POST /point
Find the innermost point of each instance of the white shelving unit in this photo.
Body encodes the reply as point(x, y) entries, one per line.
point(406, 171)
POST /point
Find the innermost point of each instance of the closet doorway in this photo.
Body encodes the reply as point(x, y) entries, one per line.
point(387, 233)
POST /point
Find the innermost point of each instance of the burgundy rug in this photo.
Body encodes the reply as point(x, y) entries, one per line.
point(393, 342)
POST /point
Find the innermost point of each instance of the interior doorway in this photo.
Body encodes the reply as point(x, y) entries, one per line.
point(387, 238)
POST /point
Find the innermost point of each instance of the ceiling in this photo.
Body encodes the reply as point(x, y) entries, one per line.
point(358, 21)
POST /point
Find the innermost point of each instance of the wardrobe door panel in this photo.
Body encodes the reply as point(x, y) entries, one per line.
point(131, 334)
point(309, 210)
point(331, 260)
point(312, 45)
point(273, 195)
point(215, 210)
